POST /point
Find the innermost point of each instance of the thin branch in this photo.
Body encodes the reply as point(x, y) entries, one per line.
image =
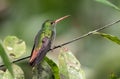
point(17, 60)
point(78, 38)
point(87, 34)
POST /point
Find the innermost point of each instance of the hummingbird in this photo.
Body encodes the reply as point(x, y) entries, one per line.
point(43, 40)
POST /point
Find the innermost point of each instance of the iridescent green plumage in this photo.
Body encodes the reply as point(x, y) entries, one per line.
point(43, 41)
point(48, 30)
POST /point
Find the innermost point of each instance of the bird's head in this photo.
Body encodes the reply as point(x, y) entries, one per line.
point(50, 23)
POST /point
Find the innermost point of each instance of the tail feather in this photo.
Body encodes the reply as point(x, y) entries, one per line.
point(39, 58)
point(32, 63)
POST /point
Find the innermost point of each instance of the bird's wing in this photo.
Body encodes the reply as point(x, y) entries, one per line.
point(34, 52)
point(38, 54)
point(44, 49)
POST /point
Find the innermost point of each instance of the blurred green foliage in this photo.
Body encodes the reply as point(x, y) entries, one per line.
point(10, 49)
point(23, 18)
point(69, 66)
point(14, 46)
point(5, 59)
point(18, 73)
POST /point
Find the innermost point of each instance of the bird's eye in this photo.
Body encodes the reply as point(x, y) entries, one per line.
point(52, 22)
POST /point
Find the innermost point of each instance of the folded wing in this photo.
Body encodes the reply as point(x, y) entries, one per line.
point(38, 54)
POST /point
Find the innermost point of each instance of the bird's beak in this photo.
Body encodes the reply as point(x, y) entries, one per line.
point(58, 20)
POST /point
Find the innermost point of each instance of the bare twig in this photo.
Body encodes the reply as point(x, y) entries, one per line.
point(87, 34)
point(78, 38)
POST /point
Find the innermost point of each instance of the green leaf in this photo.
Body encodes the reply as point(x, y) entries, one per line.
point(69, 66)
point(106, 2)
point(110, 37)
point(1, 74)
point(18, 73)
point(5, 58)
point(15, 47)
point(54, 67)
point(114, 76)
point(46, 69)
point(42, 71)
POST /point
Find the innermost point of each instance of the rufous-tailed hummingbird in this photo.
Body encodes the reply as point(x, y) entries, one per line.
point(43, 41)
